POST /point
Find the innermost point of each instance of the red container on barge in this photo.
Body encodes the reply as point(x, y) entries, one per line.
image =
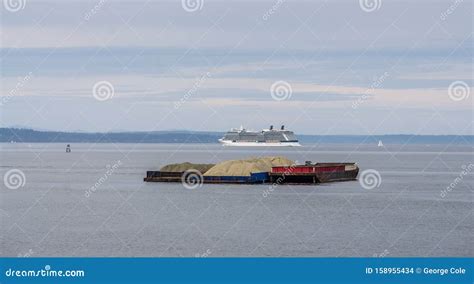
point(314, 173)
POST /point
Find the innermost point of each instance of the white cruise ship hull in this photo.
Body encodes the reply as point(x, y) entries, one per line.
point(259, 144)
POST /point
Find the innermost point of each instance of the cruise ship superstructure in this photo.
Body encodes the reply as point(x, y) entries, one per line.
point(267, 137)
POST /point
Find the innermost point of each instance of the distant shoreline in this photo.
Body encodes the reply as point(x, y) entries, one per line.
point(21, 135)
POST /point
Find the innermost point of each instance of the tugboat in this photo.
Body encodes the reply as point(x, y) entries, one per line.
point(266, 137)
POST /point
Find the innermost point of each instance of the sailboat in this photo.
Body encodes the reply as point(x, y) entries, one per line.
point(380, 143)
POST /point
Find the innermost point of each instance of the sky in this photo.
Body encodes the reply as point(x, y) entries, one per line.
point(319, 67)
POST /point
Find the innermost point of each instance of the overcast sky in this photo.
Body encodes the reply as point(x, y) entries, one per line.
point(320, 67)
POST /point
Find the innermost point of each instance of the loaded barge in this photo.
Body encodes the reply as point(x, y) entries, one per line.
point(308, 173)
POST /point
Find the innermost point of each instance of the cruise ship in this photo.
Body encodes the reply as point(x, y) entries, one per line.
point(266, 137)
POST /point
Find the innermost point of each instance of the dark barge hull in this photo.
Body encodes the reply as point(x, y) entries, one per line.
point(159, 176)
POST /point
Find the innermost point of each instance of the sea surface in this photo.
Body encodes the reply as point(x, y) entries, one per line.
point(93, 202)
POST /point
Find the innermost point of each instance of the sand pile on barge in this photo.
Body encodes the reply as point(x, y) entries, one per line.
point(182, 167)
point(247, 166)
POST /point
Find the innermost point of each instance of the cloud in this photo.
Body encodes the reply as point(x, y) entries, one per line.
point(332, 53)
point(305, 25)
point(236, 91)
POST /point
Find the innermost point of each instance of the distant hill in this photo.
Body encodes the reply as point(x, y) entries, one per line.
point(34, 136)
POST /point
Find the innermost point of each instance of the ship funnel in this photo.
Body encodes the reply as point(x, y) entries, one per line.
point(282, 127)
point(271, 127)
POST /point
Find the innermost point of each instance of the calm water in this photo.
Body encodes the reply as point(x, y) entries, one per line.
point(93, 202)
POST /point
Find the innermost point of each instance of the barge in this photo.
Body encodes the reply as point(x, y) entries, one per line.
point(295, 174)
